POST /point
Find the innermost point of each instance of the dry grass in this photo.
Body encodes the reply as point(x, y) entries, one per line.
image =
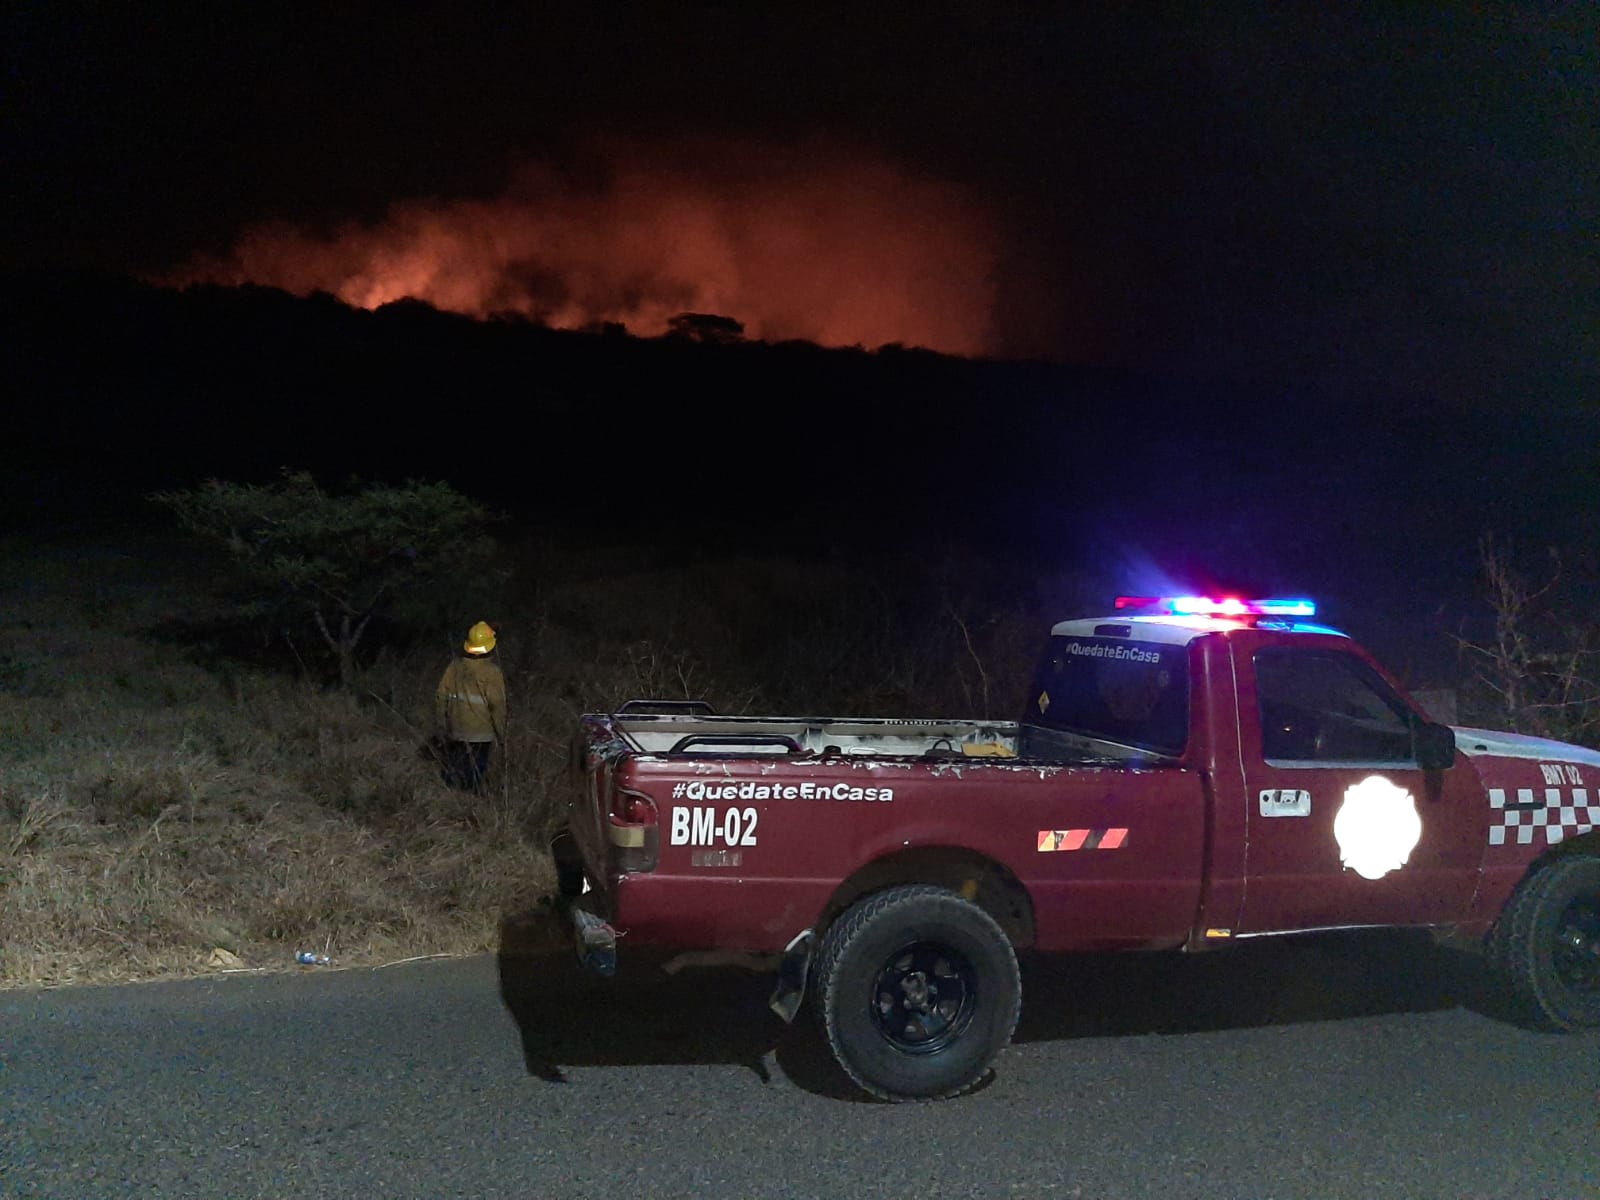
point(155, 809)
point(139, 841)
point(162, 800)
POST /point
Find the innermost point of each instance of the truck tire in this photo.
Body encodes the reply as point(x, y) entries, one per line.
point(1548, 942)
point(918, 991)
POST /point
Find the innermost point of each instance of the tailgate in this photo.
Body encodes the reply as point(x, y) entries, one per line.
point(596, 751)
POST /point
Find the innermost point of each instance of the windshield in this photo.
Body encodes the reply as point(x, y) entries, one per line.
point(1113, 690)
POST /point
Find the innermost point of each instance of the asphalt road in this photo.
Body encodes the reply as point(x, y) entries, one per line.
point(1376, 1068)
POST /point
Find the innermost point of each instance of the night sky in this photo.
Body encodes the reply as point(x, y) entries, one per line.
point(1352, 199)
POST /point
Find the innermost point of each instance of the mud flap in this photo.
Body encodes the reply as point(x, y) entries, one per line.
point(570, 879)
point(793, 971)
point(594, 940)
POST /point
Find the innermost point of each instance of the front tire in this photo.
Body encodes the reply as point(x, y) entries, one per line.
point(1548, 942)
point(918, 992)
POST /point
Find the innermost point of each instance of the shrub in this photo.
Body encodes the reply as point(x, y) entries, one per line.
point(336, 560)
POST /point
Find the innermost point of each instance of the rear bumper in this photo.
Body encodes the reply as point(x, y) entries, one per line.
point(723, 912)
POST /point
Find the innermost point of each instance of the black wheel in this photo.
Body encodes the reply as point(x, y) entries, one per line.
point(1548, 942)
point(918, 992)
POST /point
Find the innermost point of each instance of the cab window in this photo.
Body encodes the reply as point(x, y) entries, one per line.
point(1327, 707)
point(1109, 690)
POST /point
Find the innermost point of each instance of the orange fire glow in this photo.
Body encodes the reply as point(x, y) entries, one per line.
point(796, 242)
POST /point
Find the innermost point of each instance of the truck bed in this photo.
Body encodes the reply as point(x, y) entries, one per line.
point(656, 734)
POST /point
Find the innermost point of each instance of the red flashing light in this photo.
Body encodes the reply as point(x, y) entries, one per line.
point(1224, 606)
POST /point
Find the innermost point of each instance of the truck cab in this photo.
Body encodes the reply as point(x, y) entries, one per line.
point(1333, 800)
point(1185, 773)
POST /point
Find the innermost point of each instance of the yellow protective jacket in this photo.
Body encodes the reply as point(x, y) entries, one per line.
point(470, 704)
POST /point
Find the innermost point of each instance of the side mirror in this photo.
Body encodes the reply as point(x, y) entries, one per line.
point(1434, 746)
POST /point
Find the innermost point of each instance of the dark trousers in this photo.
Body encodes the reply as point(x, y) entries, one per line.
point(466, 763)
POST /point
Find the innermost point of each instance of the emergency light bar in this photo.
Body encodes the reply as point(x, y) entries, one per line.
point(1226, 606)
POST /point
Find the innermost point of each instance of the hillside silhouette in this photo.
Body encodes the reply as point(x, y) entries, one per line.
point(713, 443)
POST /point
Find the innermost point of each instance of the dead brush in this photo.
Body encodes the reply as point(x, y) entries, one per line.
point(30, 818)
point(1539, 670)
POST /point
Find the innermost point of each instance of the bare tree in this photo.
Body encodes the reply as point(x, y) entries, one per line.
point(1541, 663)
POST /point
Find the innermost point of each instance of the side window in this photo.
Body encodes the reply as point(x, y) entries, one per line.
point(1324, 707)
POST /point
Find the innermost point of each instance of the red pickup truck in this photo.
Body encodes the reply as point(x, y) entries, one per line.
point(1186, 773)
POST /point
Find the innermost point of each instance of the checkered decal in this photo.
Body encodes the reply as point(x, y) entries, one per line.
point(1565, 812)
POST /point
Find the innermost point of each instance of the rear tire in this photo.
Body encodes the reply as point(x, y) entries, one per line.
point(918, 992)
point(1547, 942)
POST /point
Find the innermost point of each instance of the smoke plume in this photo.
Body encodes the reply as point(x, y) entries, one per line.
point(796, 242)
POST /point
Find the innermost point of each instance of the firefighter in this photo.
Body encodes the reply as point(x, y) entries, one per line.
point(470, 708)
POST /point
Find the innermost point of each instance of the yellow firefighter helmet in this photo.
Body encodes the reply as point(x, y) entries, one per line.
point(480, 639)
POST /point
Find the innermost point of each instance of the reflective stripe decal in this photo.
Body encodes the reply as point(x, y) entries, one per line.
point(1082, 839)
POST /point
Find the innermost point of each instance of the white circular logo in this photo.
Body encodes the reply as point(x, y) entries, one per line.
point(1377, 827)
